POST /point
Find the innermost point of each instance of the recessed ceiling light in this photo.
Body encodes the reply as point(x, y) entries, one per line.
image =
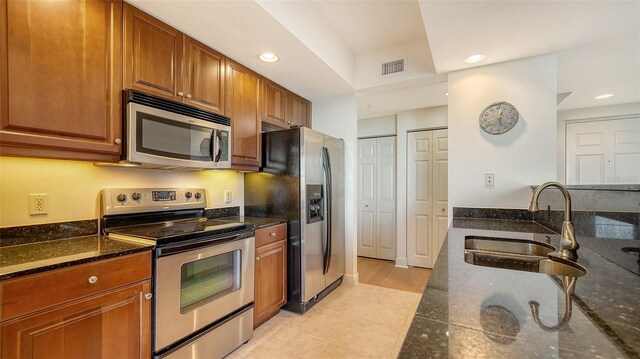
point(474, 58)
point(603, 96)
point(446, 94)
point(269, 57)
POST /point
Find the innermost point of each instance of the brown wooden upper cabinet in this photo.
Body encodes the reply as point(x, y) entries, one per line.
point(283, 108)
point(61, 79)
point(298, 111)
point(274, 104)
point(243, 106)
point(162, 61)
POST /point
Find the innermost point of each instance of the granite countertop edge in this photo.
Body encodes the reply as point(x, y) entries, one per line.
point(129, 248)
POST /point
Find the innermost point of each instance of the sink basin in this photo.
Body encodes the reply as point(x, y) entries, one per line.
point(518, 254)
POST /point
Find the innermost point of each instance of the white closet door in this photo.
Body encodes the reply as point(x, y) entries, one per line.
point(440, 189)
point(603, 152)
point(366, 197)
point(386, 198)
point(420, 199)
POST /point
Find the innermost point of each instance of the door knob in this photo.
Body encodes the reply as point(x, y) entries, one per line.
point(188, 95)
point(118, 141)
point(148, 295)
point(93, 279)
point(180, 93)
point(258, 258)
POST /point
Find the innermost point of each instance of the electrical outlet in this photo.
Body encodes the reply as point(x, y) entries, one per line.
point(489, 179)
point(38, 204)
point(227, 196)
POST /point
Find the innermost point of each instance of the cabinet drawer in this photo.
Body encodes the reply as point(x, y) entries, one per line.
point(271, 234)
point(32, 293)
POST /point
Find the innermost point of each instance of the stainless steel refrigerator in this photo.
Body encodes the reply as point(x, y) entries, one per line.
point(302, 180)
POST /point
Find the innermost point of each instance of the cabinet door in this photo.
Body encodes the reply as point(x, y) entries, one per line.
point(270, 281)
point(61, 79)
point(274, 102)
point(112, 325)
point(298, 111)
point(204, 76)
point(152, 55)
point(242, 105)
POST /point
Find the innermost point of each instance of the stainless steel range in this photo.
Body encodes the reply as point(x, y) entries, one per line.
point(203, 269)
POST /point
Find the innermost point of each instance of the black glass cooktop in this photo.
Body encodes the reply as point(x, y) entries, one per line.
point(180, 230)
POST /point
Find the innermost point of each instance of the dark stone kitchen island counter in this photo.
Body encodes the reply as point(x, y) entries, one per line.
point(35, 257)
point(469, 311)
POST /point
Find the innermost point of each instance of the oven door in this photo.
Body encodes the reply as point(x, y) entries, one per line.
point(163, 138)
point(199, 283)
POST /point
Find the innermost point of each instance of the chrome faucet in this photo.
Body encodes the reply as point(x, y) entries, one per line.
point(568, 244)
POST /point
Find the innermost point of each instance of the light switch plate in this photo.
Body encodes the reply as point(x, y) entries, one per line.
point(489, 179)
point(227, 196)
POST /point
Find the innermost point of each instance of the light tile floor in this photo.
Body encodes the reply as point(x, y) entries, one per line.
point(362, 321)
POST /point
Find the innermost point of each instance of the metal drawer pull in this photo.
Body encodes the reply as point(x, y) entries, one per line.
point(148, 295)
point(258, 258)
point(93, 279)
point(272, 234)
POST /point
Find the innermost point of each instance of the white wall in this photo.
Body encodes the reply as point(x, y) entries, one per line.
point(523, 156)
point(377, 126)
point(337, 117)
point(73, 187)
point(611, 112)
point(408, 121)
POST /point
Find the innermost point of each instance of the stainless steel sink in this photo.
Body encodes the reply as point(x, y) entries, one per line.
point(518, 254)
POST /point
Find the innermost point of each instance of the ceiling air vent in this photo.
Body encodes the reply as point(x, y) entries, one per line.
point(393, 67)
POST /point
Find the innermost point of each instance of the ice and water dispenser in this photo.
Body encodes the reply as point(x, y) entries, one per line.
point(315, 204)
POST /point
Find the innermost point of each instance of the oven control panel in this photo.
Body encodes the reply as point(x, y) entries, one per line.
point(139, 200)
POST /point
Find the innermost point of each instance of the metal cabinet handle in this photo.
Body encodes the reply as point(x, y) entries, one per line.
point(118, 141)
point(180, 93)
point(258, 258)
point(188, 95)
point(148, 295)
point(272, 234)
point(93, 279)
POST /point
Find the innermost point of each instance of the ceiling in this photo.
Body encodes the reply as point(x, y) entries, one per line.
point(366, 26)
point(329, 48)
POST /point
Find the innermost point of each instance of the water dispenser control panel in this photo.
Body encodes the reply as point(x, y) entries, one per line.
point(315, 205)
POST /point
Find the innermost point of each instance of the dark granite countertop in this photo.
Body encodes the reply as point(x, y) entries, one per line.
point(469, 311)
point(31, 258)
point(258, 222)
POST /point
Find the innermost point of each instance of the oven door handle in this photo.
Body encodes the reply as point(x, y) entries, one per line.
point(187, 246)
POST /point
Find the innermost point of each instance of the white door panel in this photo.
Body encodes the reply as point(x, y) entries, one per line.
point(427, 198)
point(419, 203)
point(366, 197)
point(377, 198)
point(601, 152)
point(440, 189)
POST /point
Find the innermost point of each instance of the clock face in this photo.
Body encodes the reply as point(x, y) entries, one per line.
point(498, 118)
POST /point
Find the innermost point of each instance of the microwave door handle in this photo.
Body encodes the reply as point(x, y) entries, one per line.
point(219, 154)
point(212, 144)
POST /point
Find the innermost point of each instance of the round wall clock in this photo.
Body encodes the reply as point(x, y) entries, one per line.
point(498, 118)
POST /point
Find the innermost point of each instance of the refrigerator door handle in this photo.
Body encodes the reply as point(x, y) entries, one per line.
point(326, 164)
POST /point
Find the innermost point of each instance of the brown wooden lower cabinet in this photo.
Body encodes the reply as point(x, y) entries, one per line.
point(114, 323)
point(270, 277)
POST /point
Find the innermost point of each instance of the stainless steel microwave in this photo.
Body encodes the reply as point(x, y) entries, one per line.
point(171, 135)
